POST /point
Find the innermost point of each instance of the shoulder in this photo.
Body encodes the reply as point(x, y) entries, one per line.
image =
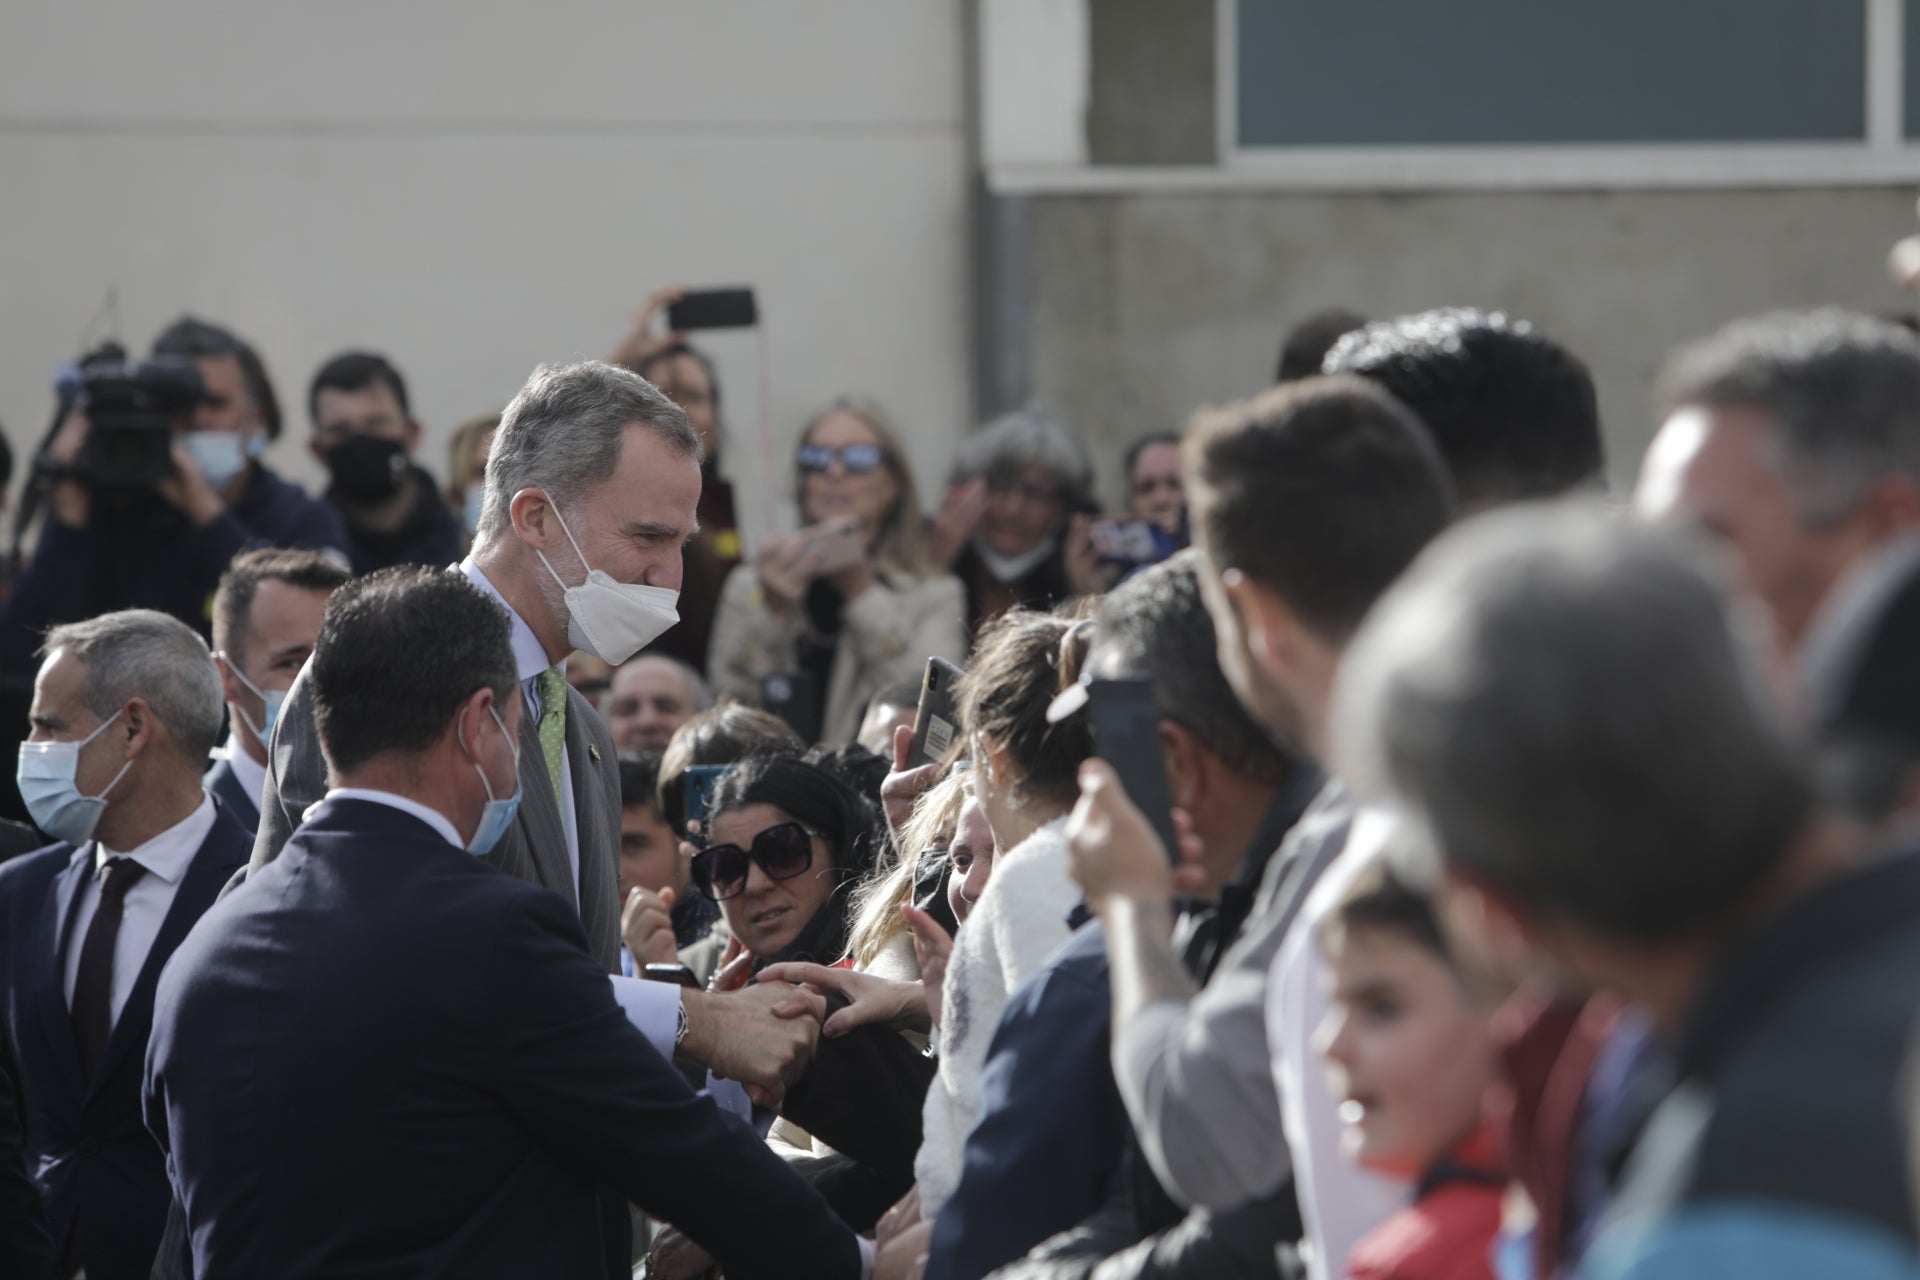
point(31, 873)
point(1447, 1235)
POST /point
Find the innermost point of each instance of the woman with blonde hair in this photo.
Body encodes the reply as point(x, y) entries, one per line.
point(851, 604)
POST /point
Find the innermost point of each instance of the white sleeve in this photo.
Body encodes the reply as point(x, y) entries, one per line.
point(1339, 1202)
point(652, 1007)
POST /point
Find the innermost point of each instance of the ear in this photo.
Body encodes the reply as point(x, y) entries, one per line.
point(1892, 506)
point(472, 724)
point(1271, 629)
point(1186, 765)
point(532, 515)
point(413, 435)
point(230, 687)
point(142, 727)
point(992, 759)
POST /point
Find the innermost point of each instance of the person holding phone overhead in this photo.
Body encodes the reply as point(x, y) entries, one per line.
point(851, 604)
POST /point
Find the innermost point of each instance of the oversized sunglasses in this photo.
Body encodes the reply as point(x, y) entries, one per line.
point(858, 459)
point(783, 852)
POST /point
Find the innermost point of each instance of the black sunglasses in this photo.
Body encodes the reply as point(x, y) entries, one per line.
point(858, 459)
point(783, 852)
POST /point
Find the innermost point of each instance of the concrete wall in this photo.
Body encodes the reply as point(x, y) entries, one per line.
point(1142, 306)
point(474, 189)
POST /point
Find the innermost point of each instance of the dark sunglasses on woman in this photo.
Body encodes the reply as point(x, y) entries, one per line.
point(858, 459)
point(783, 852)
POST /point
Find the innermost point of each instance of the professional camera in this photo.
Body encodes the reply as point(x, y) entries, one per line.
point(133, 406)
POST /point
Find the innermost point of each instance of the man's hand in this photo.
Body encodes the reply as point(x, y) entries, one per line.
point(641, 342)
point(874, 1000)
point(954, 523)
point(932, 948)
point(189, 490)
point(903, 786)
point(1114, 851)
point(646, 926)
point(739, 1035)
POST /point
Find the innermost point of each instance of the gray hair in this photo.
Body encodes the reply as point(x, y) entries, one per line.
point(1029, 437)
point(139, 653)
point(562, 434)
point(1564, 708)
point(1842, 391)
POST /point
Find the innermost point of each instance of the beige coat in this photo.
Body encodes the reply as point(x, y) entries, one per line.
point(886, 637)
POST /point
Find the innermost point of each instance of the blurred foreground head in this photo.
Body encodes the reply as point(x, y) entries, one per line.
point(1575, 727)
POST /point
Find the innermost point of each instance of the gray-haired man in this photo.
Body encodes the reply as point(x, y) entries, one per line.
point(125, 708)
point(591, 486)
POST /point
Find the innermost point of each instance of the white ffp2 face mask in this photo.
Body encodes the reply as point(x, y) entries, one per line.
point(612, 620)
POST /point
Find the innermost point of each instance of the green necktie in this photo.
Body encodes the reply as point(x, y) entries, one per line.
point(553, 724)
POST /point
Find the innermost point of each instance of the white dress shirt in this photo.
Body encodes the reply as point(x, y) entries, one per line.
point(148, 899)
point(251, 777)
point(1339, 1201)
point(530, 659)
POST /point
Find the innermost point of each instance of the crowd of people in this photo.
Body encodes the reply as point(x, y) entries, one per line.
point(512, 876)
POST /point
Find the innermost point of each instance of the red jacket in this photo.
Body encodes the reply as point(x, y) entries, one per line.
point(1447, 1233)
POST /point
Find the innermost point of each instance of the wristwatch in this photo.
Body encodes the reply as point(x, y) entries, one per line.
point(680, 1027)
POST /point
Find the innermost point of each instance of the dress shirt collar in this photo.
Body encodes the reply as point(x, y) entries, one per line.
point(529, 655)
point(169, 854)
point(251, 777)
point(432, 817)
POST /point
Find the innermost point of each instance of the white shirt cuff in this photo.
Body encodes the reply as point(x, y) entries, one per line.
point(866, 1257)
point(652, 1007)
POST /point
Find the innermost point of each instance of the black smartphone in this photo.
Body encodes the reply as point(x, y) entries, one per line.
point(935, 725)
point(1126, 734)
point(701, 779)
point(713, 309)
point(678, 974)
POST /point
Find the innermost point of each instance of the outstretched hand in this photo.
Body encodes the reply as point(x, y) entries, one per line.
point(903, 786)
point(641, 342)
point(872, 1000)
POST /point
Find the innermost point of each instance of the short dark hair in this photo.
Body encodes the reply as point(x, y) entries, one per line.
point(724, 734)
point(1140, 446)
point(1842, 392)
point(1378, 898)
point(1022, 661)
point(1513, 412)
point(399, 651)
point(1305, 347)
point(196, 339)
point(1156, 625)
point(1323, 490)
point(815, 796)
point(640, 781)
point(355, 371)
point(233, 598)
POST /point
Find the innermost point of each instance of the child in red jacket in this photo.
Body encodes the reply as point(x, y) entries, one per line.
point(1411, 1050)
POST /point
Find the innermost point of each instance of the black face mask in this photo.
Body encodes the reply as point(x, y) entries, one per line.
point(366, 468)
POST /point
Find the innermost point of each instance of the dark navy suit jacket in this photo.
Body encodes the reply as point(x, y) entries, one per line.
point(224, 784)
point(99, 1169)
point(383, 1056)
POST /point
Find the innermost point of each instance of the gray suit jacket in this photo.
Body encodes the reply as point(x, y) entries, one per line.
point(534, 847)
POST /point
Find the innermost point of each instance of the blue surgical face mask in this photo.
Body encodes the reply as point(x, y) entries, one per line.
point(476, 501)
point(498, 815)
point(46, 776)
point(220, 455)
point(263, 733)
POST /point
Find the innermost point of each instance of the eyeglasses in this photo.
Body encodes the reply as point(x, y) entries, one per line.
point(1038, 495)
point(858, 459)
point(783, 852)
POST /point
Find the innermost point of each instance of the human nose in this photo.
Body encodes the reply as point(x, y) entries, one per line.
point(1335, 1039)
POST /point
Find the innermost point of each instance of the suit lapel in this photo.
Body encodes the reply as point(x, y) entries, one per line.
point(218, 857)
point(539, 820)
point(599, 913)
point(49, 983)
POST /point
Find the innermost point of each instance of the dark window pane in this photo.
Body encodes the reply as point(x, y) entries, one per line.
point(1413, 72)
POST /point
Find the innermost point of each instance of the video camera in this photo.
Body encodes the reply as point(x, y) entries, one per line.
point(133, 406)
